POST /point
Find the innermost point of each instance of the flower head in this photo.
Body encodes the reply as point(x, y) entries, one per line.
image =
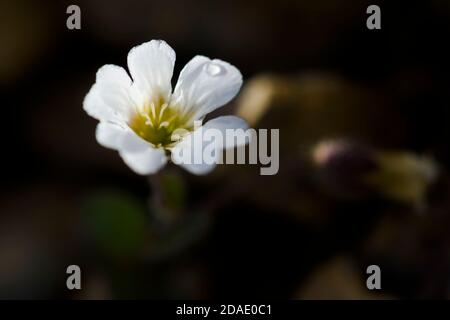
point(144, 120)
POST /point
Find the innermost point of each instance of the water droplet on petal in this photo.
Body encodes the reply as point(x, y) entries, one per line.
point(214, 69)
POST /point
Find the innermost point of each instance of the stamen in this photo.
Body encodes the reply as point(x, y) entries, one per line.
point(148, 120)
point(153, 110)
point(163, 108)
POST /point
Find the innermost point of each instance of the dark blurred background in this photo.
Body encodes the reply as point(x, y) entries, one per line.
point(363, 118)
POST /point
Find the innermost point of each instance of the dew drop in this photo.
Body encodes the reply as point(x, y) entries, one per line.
point(214, 69)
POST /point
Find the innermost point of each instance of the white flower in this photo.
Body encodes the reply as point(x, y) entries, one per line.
point(139, 115)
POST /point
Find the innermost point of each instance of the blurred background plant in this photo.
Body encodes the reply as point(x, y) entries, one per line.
point(363, 119)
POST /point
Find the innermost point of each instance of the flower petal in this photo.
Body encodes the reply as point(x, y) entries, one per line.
point(151, 67)
point(110, 98)
point(199, 169)
point(110, 135)
point(138, 154)
point(194, 168)
point(144, 161)
point(204, 85)
point(191, 152)
point(230, 122)
point(114, 136)
point(188, 153)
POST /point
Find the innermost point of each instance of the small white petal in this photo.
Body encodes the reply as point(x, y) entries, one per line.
point(194, 168)
point(110, 98)
point(138, 154)
point(189, 150)
point(190, 153)
point(229, 122)
point(113, 136)
point(199, 169)
point(110, 135)
point(144, 161)
point(151, 67)
point(204, 85)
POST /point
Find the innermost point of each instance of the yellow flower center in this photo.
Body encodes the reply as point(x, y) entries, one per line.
point(157, 121)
